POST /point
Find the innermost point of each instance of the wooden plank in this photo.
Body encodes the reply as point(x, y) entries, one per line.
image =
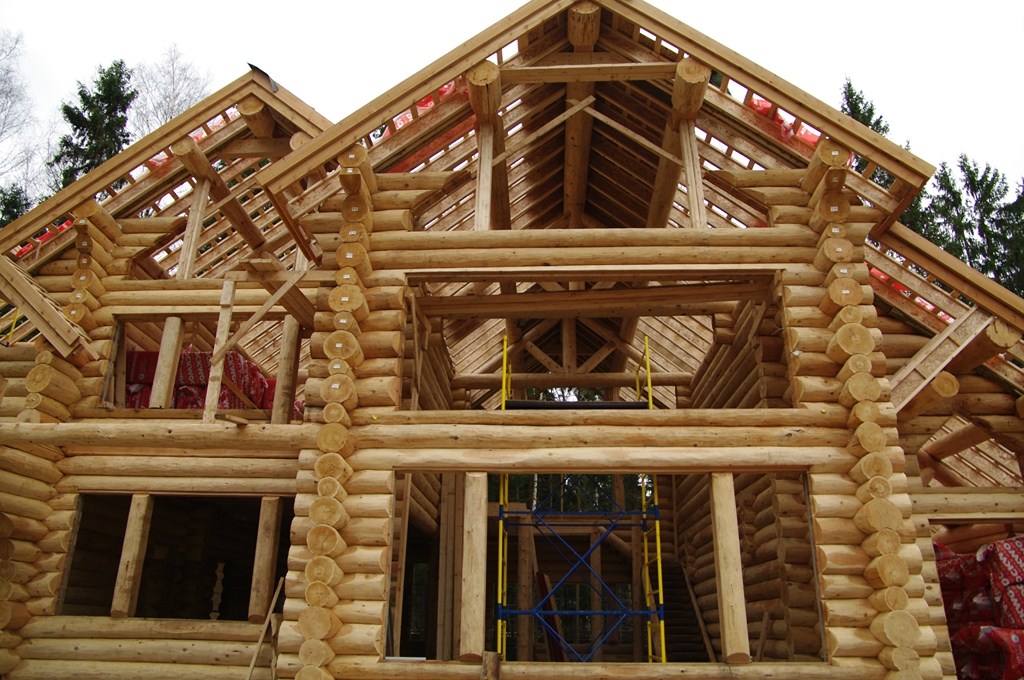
point(589, 73)
point(133, 553)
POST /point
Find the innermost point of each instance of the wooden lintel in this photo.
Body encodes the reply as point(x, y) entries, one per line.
point(648, 301)
point(479, 381)
point(582, 73)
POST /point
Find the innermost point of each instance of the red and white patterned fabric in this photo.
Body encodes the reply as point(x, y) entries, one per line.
point(983, 595)
point(192, 378)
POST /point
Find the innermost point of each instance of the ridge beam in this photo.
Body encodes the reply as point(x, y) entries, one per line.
point(691, 82)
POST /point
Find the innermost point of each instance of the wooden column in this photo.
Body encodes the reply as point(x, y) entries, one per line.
point(162, 395)
point(265, 562)
point(732, 608)
point(227, 297)
point(193, 230)
point(133, 553)
point(583, 29)
point(474, 568)
point(691, 81)
point(287, 365)
point(524, 593)
point(492, 206)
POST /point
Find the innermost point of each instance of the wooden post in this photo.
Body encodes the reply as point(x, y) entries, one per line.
point(287, 365)
point(227, 297)
point(162, 395)
point(265, 562)
point(732, 608)
point(524, 593)
point(474, 568)
point(133, 553)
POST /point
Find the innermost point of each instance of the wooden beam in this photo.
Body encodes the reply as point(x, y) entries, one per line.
point(492, 199)
point(196, 162)
point(583, 29)
point(482, 381)
point(162, 393)
point(649, 301)
point(264, 269)
point(227, 301)
point(691, 80)
point(588, 73)
point(264, 565)
point(257, 316)
point(472, 621)
point(258, 117)
point(161, 434)
point(133, 553)
point(732, 610)
point(193, 231)
point(634, 137)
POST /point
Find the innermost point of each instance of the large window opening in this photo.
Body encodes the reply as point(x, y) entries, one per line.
point(199, 556)
point(611, 568)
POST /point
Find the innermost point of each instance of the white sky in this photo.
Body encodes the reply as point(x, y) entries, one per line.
point(945, 74)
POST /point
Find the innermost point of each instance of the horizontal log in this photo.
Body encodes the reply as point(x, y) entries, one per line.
point(47, 669)
point(606, 459)
point(521, 436)
point(370, 669)
point(709, 418)
point(163, 433)
point(177, 466)
point(207, 652)
point(252, 486)
point(554, 256)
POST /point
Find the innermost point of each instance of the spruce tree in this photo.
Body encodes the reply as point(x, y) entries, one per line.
point(99, 123)
point(14, 202)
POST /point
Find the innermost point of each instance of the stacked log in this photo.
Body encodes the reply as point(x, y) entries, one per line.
point(341, 535)
point(15, 363)
point(868, 564)
point(98, 646)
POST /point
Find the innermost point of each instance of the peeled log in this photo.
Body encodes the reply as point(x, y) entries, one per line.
point(849, 340)
point(887, 570)
point(332, 465)
point(896, 629)
point(942, 386)
point(878, 514)
point(52, 383)
point(318, 623)
point(860, 387)
point(867, 438)
point(843, 292)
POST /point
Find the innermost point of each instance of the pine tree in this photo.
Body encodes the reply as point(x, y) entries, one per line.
point(969, 212)
point(99, 124)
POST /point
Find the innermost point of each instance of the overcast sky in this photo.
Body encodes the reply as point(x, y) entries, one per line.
point(945, 74)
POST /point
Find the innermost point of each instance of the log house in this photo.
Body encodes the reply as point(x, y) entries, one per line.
point(252, 375)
